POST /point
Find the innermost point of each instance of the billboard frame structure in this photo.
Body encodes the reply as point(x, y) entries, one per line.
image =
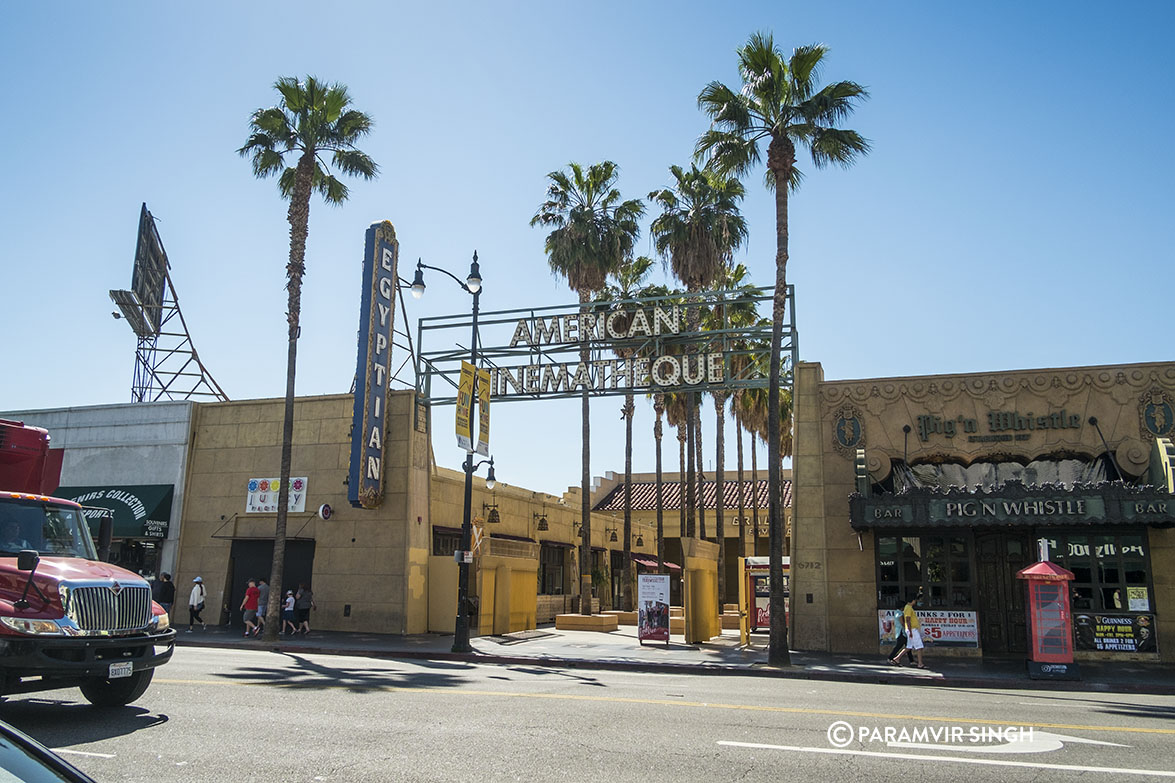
point(167, 365)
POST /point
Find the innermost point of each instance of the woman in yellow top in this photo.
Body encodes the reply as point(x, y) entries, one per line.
point(913, 633)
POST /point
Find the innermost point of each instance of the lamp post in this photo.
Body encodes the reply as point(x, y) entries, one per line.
point(472, 286)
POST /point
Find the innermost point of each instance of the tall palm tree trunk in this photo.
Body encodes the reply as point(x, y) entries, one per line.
point(720, 489)
point(755, 492)
point(690, 456)
point(696, 417)
point(742, 505)
point(780, 159)
point(585, 506)
point(626, 585)
point(659, 409)
point(681, 481)
point(299, 220)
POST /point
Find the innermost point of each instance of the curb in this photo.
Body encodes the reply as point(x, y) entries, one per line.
point(795, 673)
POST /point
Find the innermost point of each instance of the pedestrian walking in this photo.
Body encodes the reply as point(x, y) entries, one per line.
point(249, 607)
point(303, 603)
point(196, 604)
point(262, 603)
point(163, 591)
point(288, 613)
point(913, 630)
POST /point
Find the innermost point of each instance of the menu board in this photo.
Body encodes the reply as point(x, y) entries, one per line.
point(1115, 632)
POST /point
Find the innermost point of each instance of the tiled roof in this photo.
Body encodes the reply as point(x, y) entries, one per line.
point(644, 495)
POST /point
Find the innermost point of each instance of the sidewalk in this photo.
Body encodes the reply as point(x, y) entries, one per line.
point(620, 650)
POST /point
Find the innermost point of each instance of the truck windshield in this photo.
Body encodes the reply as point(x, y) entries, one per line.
point(52, 530)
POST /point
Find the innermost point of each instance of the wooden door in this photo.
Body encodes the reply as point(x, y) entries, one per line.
point(1002, 622)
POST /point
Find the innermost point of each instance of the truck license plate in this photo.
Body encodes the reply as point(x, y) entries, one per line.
point(121, 669)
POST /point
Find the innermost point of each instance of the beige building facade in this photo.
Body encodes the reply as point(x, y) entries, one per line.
point(947, 484)
point(388, 569)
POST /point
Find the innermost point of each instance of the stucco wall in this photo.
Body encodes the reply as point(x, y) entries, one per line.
point(131, 443)
point(373, 560)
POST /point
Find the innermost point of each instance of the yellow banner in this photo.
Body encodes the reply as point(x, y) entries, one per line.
point(465, 407)
point(483, 412)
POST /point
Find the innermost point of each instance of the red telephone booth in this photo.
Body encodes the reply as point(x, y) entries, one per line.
point(1050, 622)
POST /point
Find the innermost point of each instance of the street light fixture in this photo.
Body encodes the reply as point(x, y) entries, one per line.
point(472, 286)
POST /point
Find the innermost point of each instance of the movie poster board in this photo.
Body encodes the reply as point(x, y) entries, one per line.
point(652, 600)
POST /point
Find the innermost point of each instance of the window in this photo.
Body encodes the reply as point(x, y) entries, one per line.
point(1111, 573)
point(445, 543)
point(939, 565)
point(551, 570)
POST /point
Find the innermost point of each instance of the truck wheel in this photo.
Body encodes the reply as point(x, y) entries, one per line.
point(115, 693)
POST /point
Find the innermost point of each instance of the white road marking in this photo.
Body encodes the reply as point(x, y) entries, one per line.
point(1041, 742)
point(954, 759)
point(84, 753)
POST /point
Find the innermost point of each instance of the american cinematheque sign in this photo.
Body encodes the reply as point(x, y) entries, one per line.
point(374, 366)
point(633, 345)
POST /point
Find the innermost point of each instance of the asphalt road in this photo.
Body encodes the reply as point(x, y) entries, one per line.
point(240, 715)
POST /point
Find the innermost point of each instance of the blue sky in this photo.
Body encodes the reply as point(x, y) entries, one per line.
point(1015, 211)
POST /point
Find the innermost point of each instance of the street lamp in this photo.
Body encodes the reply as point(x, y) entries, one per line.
point(472, 286)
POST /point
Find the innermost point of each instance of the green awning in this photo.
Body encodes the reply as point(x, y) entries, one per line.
point(140, 510)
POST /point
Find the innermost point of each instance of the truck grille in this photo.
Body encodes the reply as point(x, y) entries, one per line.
point(99, 609)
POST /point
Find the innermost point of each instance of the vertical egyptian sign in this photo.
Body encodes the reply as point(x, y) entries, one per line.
point(483, 412)
point(381, 257)
point(465, 407)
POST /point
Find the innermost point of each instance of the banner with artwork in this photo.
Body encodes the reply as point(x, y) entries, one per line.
point(940, 628)
point(652, 600)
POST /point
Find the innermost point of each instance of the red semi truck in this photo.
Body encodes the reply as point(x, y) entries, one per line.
point(66, 618)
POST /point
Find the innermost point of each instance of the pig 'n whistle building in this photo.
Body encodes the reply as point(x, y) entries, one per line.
point(947, 484)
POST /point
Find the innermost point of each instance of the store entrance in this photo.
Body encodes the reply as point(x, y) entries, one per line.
point(1002, 623)
point(252, 559)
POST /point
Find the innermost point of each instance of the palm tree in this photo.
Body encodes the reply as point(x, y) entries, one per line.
point(311, 119)
point(744, 363)
point(593, 233)
point(675, 414)
point(722, 318)
point(697, 232)
point(779, 101)
point(659, 412)
point(628, 283)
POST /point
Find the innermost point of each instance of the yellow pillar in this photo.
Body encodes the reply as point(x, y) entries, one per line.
point(702, 621)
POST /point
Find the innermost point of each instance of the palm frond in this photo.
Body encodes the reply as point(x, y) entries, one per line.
point(842, 147)
point(356, 163)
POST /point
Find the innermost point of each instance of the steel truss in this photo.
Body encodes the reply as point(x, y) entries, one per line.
point(732, 341)
point(167, 366)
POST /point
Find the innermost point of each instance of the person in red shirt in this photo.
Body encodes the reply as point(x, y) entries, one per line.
point(249, 607)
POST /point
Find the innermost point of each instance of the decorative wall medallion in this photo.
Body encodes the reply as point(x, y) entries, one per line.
point(848, 431)
point(1156, 413)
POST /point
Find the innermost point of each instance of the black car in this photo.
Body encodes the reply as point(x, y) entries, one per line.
point(23, 758)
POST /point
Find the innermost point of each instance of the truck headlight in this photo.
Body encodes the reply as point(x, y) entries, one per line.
point(160, 622)
point(35, 627)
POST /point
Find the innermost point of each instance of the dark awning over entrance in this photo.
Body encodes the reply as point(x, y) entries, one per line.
point(140, 510)
point(1014, 505)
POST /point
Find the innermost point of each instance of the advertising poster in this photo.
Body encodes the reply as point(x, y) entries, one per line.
point(939, 627)
point(483, 412)
point(1137, 599)
point(465, 407)
point(263, 493)
point(1115, 633)
point(652, 600)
